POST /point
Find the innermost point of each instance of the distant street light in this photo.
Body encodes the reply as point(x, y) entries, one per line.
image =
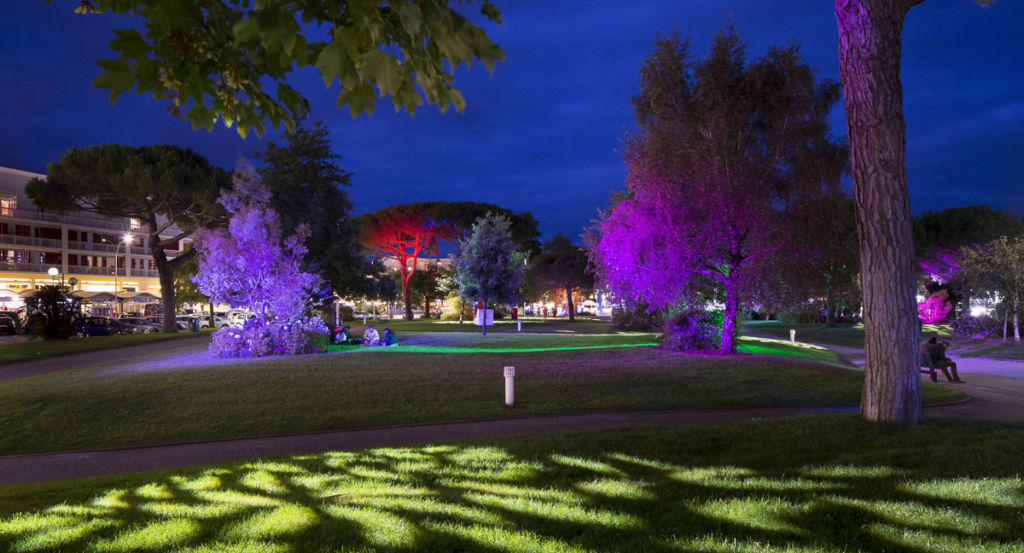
point(53, 274)
point(125, 240)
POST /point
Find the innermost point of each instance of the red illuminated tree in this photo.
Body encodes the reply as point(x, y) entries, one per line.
point(723, 145)
point(404, 232)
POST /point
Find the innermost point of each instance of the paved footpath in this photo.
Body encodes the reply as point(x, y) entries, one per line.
point(54, 466)
point(995, 389)
point(25, 369)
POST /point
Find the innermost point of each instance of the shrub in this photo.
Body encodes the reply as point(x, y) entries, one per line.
point(805, 314)
point(53, 313)
point(968, 327)
point(276, 337)
point(692, 330)
point(347, 313)
point(636, 318)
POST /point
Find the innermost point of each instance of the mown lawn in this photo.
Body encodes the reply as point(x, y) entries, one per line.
point(582, 325)
point(828, 483)
point(42, 349)
point(848, 335)
point(992, 348)
point(181, 397)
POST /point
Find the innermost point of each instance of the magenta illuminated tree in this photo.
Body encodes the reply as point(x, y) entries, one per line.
point(251, 265)
point(723, 146)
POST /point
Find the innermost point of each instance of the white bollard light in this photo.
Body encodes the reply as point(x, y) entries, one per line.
point(792, 335)
point(510, 387)
point(519, 323)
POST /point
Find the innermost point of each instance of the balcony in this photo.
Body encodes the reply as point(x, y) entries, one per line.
point(77, 220)
point(15, 240)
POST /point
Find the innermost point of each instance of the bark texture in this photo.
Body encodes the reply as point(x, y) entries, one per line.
point(869, 65)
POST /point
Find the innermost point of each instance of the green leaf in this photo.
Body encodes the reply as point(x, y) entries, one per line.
point(118, 77)
point(359, 98)
point(130, 43)
point(246, 29)
point(378, 67)
point(333, 62)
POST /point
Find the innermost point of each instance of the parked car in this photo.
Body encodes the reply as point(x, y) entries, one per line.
point(139, 325)
point(95, 326)
point(218, 322)
point(8, 326)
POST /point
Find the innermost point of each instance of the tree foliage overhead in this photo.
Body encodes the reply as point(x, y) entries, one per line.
point(725, 143)
point(306, 185)
point(171, 190)
point(232, 60)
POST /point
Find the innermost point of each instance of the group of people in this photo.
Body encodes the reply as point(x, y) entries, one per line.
point(343, 336)
point(936, 352)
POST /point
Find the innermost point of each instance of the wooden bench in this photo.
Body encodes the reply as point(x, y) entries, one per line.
point(928, 366)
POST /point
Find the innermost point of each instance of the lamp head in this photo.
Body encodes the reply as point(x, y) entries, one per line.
point(52, 271)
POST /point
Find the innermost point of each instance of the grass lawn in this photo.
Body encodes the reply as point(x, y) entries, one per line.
point(41, 349)
point(177, 398)
point(582, 325)
point(992, 348)
point(829, 483)
point(848, 335)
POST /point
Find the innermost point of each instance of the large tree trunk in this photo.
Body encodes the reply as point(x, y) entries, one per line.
point(572, 308)
point(830, 305)
point(166, 273)
point(869, 64)
point(732, 307)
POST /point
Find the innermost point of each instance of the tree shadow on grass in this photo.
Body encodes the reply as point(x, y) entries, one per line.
point(824, 483)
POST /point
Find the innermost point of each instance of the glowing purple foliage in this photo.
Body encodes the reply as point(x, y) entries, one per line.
point(250, 265)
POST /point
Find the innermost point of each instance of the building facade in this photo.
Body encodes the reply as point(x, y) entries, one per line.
point(107, 260)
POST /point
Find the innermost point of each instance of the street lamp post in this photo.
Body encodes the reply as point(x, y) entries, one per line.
point(53, 274)
point(125, 240)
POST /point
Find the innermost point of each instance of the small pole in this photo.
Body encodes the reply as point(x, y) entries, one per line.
point(510, 387)
point(792, 335)
point(519, 324)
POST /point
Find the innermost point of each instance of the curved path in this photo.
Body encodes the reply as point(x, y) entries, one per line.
point(54, 466)
point(995, 389)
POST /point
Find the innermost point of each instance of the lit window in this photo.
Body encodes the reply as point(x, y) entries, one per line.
point(8, 204)
point(135, 224)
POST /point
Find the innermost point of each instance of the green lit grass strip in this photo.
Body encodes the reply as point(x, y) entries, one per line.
point(437, 349)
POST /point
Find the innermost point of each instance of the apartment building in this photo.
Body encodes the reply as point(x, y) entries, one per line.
point(106, 261)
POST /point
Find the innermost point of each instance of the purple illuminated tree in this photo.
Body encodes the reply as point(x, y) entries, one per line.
point(250, 265)
point(724, 144)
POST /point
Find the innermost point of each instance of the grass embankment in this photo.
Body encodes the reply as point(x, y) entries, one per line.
point(808, 484)
point(991, 348)
point(847, 335)
point(41, 349)
point(153, 401)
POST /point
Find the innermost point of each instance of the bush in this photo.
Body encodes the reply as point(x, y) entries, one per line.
point(974, 328)
point(804, 314)
point(53, 313)
point(637, 318)
point(347, 313)
point(692, 330)
point(290, 337)
point(454, 305)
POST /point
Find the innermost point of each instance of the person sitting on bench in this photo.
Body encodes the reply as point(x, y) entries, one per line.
point(937, 353)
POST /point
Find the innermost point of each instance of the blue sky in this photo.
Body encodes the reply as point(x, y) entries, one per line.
point(541, 132)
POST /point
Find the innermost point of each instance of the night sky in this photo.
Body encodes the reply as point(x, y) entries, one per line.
point(541, 132)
